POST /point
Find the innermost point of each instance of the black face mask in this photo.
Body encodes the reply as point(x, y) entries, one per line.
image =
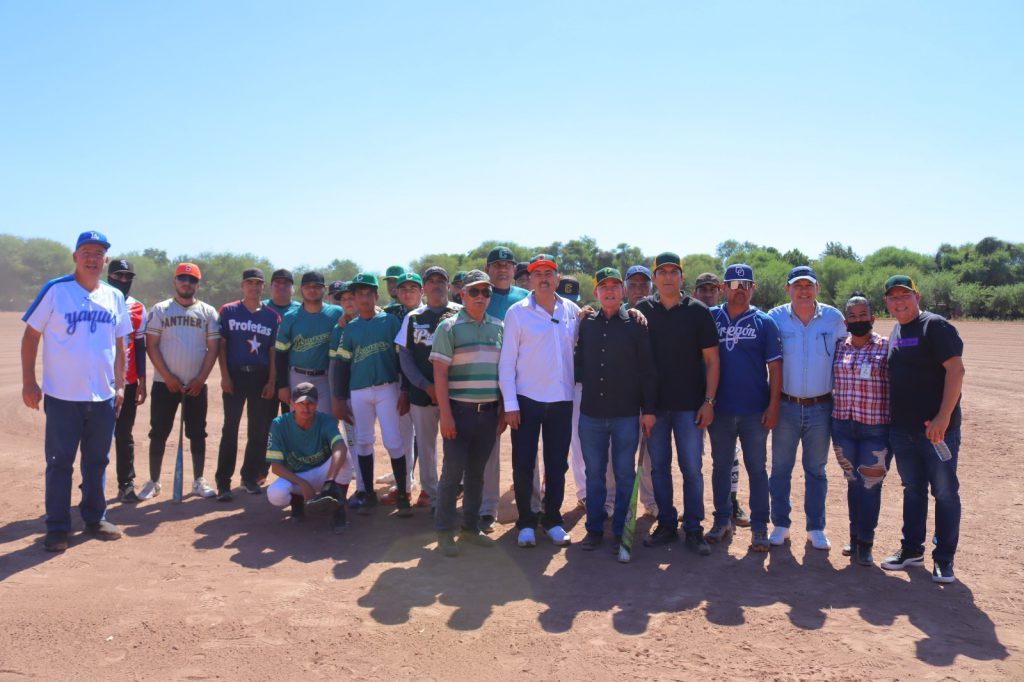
point(123, 287)
point(859, 328)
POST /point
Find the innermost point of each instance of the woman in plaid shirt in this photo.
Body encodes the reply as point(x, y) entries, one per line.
point(860, 422)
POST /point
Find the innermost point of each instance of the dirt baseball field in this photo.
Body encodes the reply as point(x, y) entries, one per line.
point(235, 590)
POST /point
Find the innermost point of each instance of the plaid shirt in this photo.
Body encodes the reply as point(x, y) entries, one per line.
point(862, 394)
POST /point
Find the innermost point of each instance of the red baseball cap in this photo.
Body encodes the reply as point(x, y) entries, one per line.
point(188, 269)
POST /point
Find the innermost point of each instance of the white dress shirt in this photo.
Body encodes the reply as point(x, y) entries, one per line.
point(537, 352)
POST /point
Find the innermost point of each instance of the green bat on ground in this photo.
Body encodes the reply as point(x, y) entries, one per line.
point(629, 530)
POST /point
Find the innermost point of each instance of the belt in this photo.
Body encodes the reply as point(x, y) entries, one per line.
point(475, 407)
point(310, 372)
point(826, 398)
point(251, 369)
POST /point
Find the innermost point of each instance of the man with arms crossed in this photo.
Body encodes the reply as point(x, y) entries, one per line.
point(809, 332)
point(926, 374)
point(82, 323)
point(182, 339)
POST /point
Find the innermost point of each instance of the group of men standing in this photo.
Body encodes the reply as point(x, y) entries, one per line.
point(647, 366)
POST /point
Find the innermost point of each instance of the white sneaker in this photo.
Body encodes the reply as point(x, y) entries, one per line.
point(819, 540)
point(779, 536)
point(527, 538)
point(150, 490)
point(202, 489)
point(558, 535)
point(385, 478)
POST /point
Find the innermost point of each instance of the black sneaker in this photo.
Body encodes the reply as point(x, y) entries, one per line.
point(252, 487)
point(55, 541)
point(592, 541)
point(662, 535)
point(695, 542)
point(403, 505)
point(487, 522)
point(943, 572)
point(127, 494)
point(339, 520)
point(739, 516)
point(298, 508)
point(368, 502)
point(902, 559)
point(356, 501)
point(224, 495)
point(862, 554)
point(103, 530)
point(446, 544)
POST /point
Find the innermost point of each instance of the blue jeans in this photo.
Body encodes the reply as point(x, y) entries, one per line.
point(624, 435)
point(920, 467)
point(754, 439)
point(809, 426)
point(555, 421)
point(862, 451)
point(689, 445)
point(70, 424)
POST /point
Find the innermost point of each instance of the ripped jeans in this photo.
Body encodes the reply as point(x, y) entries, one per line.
point(863, 453)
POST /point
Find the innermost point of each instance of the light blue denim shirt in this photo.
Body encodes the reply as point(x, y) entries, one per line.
point(807, 350)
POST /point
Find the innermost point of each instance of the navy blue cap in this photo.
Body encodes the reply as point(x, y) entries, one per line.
point(802, 272)
point(739, 272)
point(92, 237)
point(639, 270)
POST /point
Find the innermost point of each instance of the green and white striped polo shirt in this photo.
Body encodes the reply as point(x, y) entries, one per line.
point(471, 350)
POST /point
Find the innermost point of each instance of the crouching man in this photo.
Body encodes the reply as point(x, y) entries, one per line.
point(306, 452)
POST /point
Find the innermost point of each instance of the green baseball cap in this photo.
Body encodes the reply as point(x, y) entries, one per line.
point(364, 279)
point(500, 253)
point(459, 276)
point(607, 273)
point(394, 272)
point(904, 281)
point(667, 259)
point(409, 277)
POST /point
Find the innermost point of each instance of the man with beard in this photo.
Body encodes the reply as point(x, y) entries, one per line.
point(120, 276)
point(182, 339)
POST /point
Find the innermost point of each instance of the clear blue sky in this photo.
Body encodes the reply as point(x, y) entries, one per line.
point(381, 131)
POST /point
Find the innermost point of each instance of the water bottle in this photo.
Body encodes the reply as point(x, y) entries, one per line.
point(942, 450)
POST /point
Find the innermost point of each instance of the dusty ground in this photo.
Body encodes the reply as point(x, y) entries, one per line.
point(204, 589)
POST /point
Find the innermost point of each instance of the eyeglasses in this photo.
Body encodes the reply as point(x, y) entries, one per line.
point(122, 276)
point(739, 284)
point(477, 291)
point(188, 279)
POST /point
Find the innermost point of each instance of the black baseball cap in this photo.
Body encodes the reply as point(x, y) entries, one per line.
point(305, 392)
point(313, 277)
point(459, 276)
point(706, 278)
point(435, 270)
point(337, 287)
point(282, 274)
point(120, 265)
point(569, 287)
point(522, 268)
point(500, 253)
point(253, 273)
point(668, 259)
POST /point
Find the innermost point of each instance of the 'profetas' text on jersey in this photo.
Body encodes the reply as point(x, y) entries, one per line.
point(250, 335)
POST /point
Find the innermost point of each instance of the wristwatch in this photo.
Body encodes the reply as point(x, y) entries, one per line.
point(710, 400)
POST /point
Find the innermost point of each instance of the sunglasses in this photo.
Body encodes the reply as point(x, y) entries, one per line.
point(477, 291)
point(188, 279)
point(736, 284)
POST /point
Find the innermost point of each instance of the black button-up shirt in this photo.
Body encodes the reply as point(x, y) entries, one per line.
point(679, 336)
point(615, 366)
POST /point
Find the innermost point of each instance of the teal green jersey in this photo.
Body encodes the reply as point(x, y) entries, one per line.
point(301, 449)
point(306, 336)
point(281, 309)
point(369, 345)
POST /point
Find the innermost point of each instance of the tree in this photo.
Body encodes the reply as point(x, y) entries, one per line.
point(837, 250)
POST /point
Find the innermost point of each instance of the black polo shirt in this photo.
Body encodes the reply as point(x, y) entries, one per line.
point(419, 341)
point(614, 364)
point(917, 378)
point(679, 336)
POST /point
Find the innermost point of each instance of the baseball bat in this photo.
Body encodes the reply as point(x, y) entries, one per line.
point(629, 530)
point(179, 462)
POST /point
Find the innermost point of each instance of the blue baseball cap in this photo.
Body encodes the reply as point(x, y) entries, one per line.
point(92, 237)
point(802, 272)
point(639, 270)
point(739, 272)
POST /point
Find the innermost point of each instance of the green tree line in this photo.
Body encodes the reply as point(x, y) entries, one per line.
point(981, 280)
